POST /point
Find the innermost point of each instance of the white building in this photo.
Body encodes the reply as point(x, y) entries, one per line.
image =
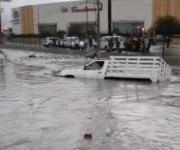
point(54, 17)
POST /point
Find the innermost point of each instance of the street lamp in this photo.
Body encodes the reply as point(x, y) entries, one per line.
point(99, 8)
point(98, 25)
point(109, 17)
point(87, 19)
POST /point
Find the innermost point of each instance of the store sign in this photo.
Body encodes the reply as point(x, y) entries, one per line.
point(76, 9)
point(88, 7)
point(83, 8)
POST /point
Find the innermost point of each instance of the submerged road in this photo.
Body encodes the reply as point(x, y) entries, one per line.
point(41, 111)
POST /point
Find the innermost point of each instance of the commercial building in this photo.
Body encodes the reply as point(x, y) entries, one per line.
point(166, 7)
point(126, 15)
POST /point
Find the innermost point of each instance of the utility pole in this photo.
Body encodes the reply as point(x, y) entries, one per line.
point(0, 24)
point(38, 19)
point(110, 17)
point(98, 26)
point(164, 37)
point(87, 19)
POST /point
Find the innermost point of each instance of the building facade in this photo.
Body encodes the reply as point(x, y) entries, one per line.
point(126, 15)
point(166, 7)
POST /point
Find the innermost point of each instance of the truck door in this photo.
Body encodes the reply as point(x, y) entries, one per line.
point(94, 70)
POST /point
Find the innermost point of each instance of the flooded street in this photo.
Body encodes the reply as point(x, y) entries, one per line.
point(40, 111)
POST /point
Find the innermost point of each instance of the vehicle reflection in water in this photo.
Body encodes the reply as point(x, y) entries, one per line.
point(41, 111)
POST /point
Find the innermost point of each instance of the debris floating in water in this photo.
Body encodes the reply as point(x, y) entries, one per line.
point(32, 56)
point(88, 136)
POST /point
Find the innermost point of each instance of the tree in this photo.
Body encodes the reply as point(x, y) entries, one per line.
point(167, 26)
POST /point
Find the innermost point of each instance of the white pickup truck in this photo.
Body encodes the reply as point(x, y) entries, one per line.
point(131, 67)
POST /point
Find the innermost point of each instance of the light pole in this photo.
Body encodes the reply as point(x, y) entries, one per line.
point(109, 17)
point(164, 37)
point(38, 19)
point(0, 25)
point(87, 19)
point(98, 26)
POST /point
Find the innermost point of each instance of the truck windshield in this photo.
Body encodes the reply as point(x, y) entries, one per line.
point(97, 65)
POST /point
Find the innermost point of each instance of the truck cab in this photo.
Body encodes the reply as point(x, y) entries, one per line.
point(93, 70)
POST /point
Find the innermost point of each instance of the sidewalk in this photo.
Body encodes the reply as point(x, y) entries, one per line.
point(172, 54)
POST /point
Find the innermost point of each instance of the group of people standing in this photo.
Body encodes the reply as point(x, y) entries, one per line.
point(132, 43)
point(116, 44)
point(138, 44)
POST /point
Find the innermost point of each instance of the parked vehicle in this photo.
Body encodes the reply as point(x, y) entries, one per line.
point(50, 41)
point(60, 43)
point(81, 45)
point(71, 42)
point(136, 67)
point(110, 42)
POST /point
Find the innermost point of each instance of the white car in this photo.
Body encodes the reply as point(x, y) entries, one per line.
point(50, 41)
point(71, 42)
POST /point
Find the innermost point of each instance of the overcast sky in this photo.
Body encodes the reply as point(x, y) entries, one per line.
point(6, 15)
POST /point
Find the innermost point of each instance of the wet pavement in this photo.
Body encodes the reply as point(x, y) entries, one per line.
point(41, 111)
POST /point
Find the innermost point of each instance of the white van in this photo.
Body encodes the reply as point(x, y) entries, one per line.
point(71, 42)
point(50, 41)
